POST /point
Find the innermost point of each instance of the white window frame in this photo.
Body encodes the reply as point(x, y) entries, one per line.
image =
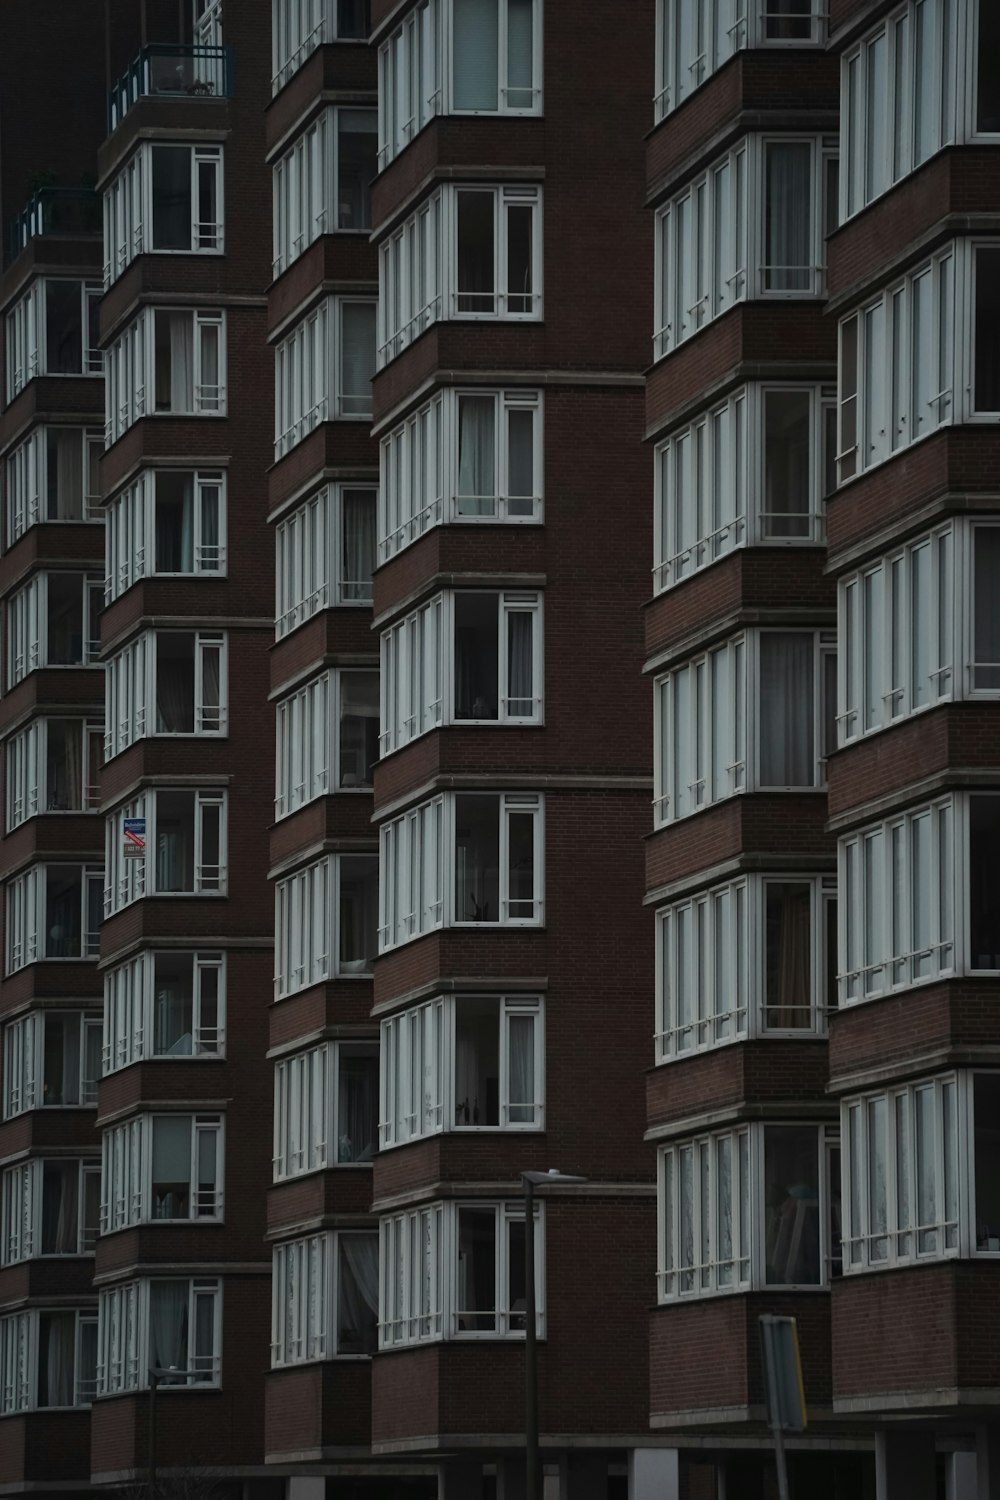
point(747, 1261)
point(127, 879)
point(131, 699)
point(26, 771)
point(28, 483)
point(419, 461)
point(130, 384)
point(307, 1111)
point(129, 1024)
point(717, 42)
point(127, 1173)
point(307, 927)
point(311, 558)
point(309, 761)
point(417, 1078)
point(28, 627)
point(306, 187)
point(128, 208)
point(305, 1301)
point(26, 926)
point(124, 1344)
point(27, 336)
point(24, 1062)
point(20, 1345)
point(130, 533)
point(298, 27)
point(418, 676)
point(21, 1200)
point(417, 868)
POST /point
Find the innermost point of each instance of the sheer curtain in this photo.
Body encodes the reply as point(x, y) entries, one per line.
point(789, 987)
point(168, 1318)
point(57, 1356)
point(476, 456)
point(60, 1187)
point(787, 257)
point(174, 687)
point(520, 699)
point(357, 1294)
point(474, 84)
point(68, 476)
point(181, 362)
point(787, 751)
point(357, 1114)
point(521, 1069)
point(358, 561)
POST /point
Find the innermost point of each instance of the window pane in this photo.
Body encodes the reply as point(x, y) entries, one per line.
point(357, 1124)
point(172, 1005)
point(476, 237)
point(988, 77)
point(476, 656)
point(788, 955)
point(788, 218)
point(171, 1167)
point(476, 1289)
point(520, 44)
point(520, 461)
point(520, 219)
point(63, 328)
point(477, 859)
point(357, 151)
point(477, 1062)
point(475, 50)
point(987, 331)
point(986, 608)
point(168, 1328)
point(56, 1359)
point(60, 1207)
point(358, 913)
point(476, 456)
point(64, 475)
point(172, 213)
point(787, 470)
point(986, 1156)
point(791, 1199)
point(787, 748)
point(358, 322)
point(984, 882)
point(359, 710)
point(357, 1293)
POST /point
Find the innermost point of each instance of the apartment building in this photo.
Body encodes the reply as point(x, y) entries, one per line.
point(499, 515)
point(820, 652)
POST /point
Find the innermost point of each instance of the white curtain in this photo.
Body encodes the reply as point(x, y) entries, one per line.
point(788, 218)
point(60, 1188)
point(181, 362)
point(168, 1316)
point(474, 85)
point(58, 1337)
point(787, 753)
point(68, 478)
point(476, 456)
point(519, 684)
point(357, 1295)
point(521, 1069)
point(359, 545)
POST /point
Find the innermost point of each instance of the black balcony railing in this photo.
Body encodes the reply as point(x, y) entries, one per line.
point(54, 210)
point(170, 70)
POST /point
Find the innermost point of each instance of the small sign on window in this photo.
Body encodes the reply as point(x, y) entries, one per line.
point(134, 832)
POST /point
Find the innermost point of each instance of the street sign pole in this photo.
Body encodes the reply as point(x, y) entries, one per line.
point(786, 1397)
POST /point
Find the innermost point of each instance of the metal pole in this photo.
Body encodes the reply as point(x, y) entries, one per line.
point(154, 1382)
point(779, 1436)
point(532, 1486)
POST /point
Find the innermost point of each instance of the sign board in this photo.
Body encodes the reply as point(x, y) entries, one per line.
point(134, 831)
point(786, 1397)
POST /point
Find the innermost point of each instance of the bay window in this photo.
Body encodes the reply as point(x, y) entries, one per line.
point(167, 362)
point(52, 911)
point(694, 38)
point(718, 243)
point(755, 470)
point(166, 682)
point(162, 1323)
point(325, 555)
point(462, 658)
point(167, 522)
point(324, 1298)
point(298, 27)
point(53, 622)
point(463, 457)
point(53, 476)
point(749, 1208)
point(753, 957)
point(164, 1004)
point(322, 185)
point(183, 849)
point(756, 713)
point(48, 1207)
point(325, 1109)
point(467, 252)
point(467, 1062)
point(53, 765)
point(324, 922)
point(167, 197)
point(458, 57)
point(327, 738)
point(456, 1270)
point(53, 330)
point(162, 1167)
point(323, 370)
point(48, 1360)
point(470, 858)
point(919, 81)
point(52, 1059)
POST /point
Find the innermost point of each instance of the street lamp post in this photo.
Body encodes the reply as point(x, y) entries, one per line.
point(531, 1180)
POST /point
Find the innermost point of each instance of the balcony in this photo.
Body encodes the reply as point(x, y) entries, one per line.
point(172, 70)
point(54, 210)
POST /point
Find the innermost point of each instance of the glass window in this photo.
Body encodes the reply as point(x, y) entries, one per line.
point(793, 1227)
point(986, 333)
